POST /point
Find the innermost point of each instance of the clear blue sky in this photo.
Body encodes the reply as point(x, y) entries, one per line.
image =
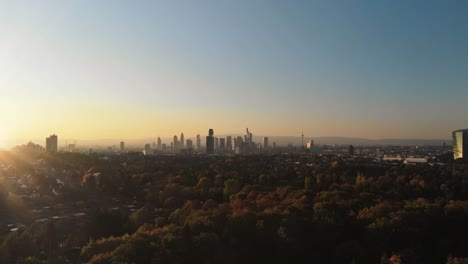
point(96, 69)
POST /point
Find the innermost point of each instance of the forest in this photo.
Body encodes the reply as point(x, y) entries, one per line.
point(239, 209)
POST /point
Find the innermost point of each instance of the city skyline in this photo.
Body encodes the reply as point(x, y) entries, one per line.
point(89, 70)
point(295, 140)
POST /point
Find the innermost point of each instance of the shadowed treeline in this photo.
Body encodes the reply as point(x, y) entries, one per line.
point(249, 209)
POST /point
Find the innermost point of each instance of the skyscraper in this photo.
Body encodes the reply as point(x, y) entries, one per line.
point(159, 143)
point(460, 144)
point(189, 144)
point(228, 143)
point(175, 143)
point(52, 144)
point(210, 142)
point(222, 145)
point(198, 142)
point(266, 146)
point(216, 143)
point(249, 141)
point(122, 146)
point(147, 150)
point(239, 145)
point(181, 140)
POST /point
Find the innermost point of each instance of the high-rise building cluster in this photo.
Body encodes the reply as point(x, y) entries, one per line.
point(214, 144)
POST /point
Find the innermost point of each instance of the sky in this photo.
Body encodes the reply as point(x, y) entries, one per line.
point(135, 69)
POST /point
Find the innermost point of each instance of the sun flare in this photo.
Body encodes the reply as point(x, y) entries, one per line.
point(2, 140)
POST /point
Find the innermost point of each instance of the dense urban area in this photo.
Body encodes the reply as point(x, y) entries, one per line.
point(335, 204)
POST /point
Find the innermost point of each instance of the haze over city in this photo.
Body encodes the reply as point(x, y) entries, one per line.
point(234, 132)
point(93, 70)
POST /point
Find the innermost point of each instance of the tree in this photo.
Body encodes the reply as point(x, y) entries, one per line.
point(231, 187)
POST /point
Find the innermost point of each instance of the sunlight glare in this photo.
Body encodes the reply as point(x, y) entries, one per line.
point(2, 140)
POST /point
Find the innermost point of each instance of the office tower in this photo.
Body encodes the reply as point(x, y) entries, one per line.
point(216, 142)
point(228, 143)
point(147, 149)
point(310, 144)
point(210, 142)
point(189, 144)
point(175, 143)
point(237, 145)
point(222, 145)
point(239, 141)
point(164, 147)
point(122, 146)
point(249, 141)
point(274, 145)
point(460, 144)
point(159, 143)
point(181, 140)
point(198, 142)
point(265, 143)
point(52, 144)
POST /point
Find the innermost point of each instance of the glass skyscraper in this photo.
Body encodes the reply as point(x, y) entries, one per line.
point(460, 143)
point(210, 142)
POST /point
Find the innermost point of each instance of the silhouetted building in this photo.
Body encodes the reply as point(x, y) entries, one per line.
point(460, 144)
point(181, 140)
point(198, 142)
point(216, 144)
point(175, 142)
point(52, 144)
point(122, 146)
point(159, 143)
point(266, 146)
point(189, 144)
point(147, 150)
point(228, 143)
point(238, 146)
point(222, 145)
point(249, 141)
point(210, 142)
